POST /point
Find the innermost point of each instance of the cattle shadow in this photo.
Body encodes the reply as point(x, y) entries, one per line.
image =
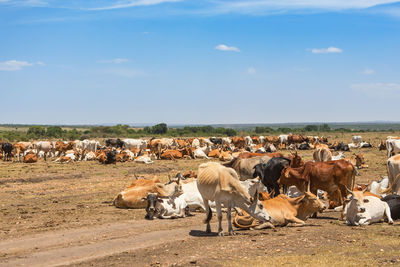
point(324, 218)
point(199, 233)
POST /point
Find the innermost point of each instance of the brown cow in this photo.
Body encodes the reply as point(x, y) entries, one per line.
point(176, 154)
point(332, 177)
point(19, 148)
point(30, 158)
point(215, 153)
point(62, 148)
point(246, 155)
point(296, 139)
point(322, 154)
point(238, 141)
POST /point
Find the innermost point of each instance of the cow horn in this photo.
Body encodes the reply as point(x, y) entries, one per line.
point(135, 176)
point(366, 188)
point(348, 190)
point(309, 186)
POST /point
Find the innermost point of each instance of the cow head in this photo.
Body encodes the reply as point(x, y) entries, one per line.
point(359, 159)
point(356, 200)
point(309, 204)
point(257, 210)
point(152, 205)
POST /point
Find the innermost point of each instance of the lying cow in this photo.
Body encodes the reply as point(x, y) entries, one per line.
point(30, 158)
point(171, 207)
point(394, 204)
point(284, 210)
point(220, 184)
point(364, 210)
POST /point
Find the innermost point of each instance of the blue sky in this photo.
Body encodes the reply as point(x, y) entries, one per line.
point(199, 62)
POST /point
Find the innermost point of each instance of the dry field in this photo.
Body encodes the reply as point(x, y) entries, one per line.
point(61, 214)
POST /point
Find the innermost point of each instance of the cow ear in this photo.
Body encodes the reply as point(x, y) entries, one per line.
point(143, 199)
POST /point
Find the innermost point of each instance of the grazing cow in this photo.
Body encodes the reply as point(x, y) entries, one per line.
point(322, 154)
point(132, 197)
point(132, 143)
point(270, 172)
point(30, 158)
point(394, 204)
point(332, 177)
point(46, 147)
point(220, 184)
point(117, 143)
point(284, 210)
point(393, 146)
point(245, 167)
point(357, 139)
point(393, 168)
point(7, 150)
point(364, 210)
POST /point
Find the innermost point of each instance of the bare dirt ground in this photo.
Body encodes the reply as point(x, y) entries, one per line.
point(61, 214)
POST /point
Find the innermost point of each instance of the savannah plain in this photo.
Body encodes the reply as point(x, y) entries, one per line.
point(62, 214)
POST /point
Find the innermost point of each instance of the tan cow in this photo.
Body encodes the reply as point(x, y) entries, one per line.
point(30, 158)
point(220, 184)
point(284, 210)
point(393, 168)
point(322, 154)
point(133, 196)
point(19, 148)
point(245, 167)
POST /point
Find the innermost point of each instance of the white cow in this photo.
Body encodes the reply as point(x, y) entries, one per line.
point(90, 145)
point(283, 138)
point(392, 146)
point(357, 139)
point(352, 145)
point(378, 186)
point(226, 141)
point(340, 155)
point(221, 184)
point(199, 154)
point(165, 207)
point(134, 143)
point(143, 159)
point(44, 146)
point(248, 141)
point(196, 143)
point(90, 156)
point(393, 168)
point(364, 210)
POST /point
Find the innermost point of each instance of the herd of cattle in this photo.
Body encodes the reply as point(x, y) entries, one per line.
point(266, 188)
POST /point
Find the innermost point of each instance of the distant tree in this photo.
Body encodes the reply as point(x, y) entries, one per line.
point(324, 128)
point(36, 131)
point(54, 131)
point(160, 128)
point(311, 128)
point(230, 132)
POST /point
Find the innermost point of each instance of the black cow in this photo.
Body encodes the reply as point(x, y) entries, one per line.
point(114, 143)
point(394, 205)
point(270, 173)
point(7, 149)
point(304, 146)
point(216, 141)
point(341, 147)
point(110, 158)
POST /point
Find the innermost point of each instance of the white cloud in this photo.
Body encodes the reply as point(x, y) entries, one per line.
point(12, 65)
point(133, 3)
point(368, 72)
point(378, 90)
point(328, 50)
point(251, 70)
point(126, 73)
point(40, 63)
point(114, 61)
point(223, 47)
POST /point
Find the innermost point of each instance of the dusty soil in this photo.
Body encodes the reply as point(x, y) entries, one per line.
point(61, 214)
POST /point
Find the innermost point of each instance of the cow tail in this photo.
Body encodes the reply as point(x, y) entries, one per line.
point(353, 182)
point(390, 188)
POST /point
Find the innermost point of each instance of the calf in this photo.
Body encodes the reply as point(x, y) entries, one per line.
point(364, 210)
point(165, 207)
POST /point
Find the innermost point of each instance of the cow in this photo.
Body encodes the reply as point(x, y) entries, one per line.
point(304, 146)
point(46, 147)
point(198, 153)
point(110, 158)
point(19, 148)
point(322, 154)
point(245, 167)
point(270, 172)
point(377, 187)
point(332, 177)
point(284, 210)
point(340, 155)
point(341, 147)
point(394, 204)
point(225, 156)
point(61, 147)
point(30, 158)
point(220, 184)
point(364, 210)
point(117, 143)
point(7, 150)
point(132, 196)
point(283, 138)
point(392, 146)
point(89, 155)
point(270, 148)
point(382, 145)
point(296, 139)
point(132, 143)
point(357, 139)
point(143, 159)
point(393, 168)
point(176, 154)
point(238, 141)
point(91, 145)
point(365, 145)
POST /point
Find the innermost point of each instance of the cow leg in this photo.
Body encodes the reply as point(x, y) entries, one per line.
point(276, 189)
point(295, 220)
point(387, 213)
point(219, 216)
point(209, 215)
point(229, 218)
